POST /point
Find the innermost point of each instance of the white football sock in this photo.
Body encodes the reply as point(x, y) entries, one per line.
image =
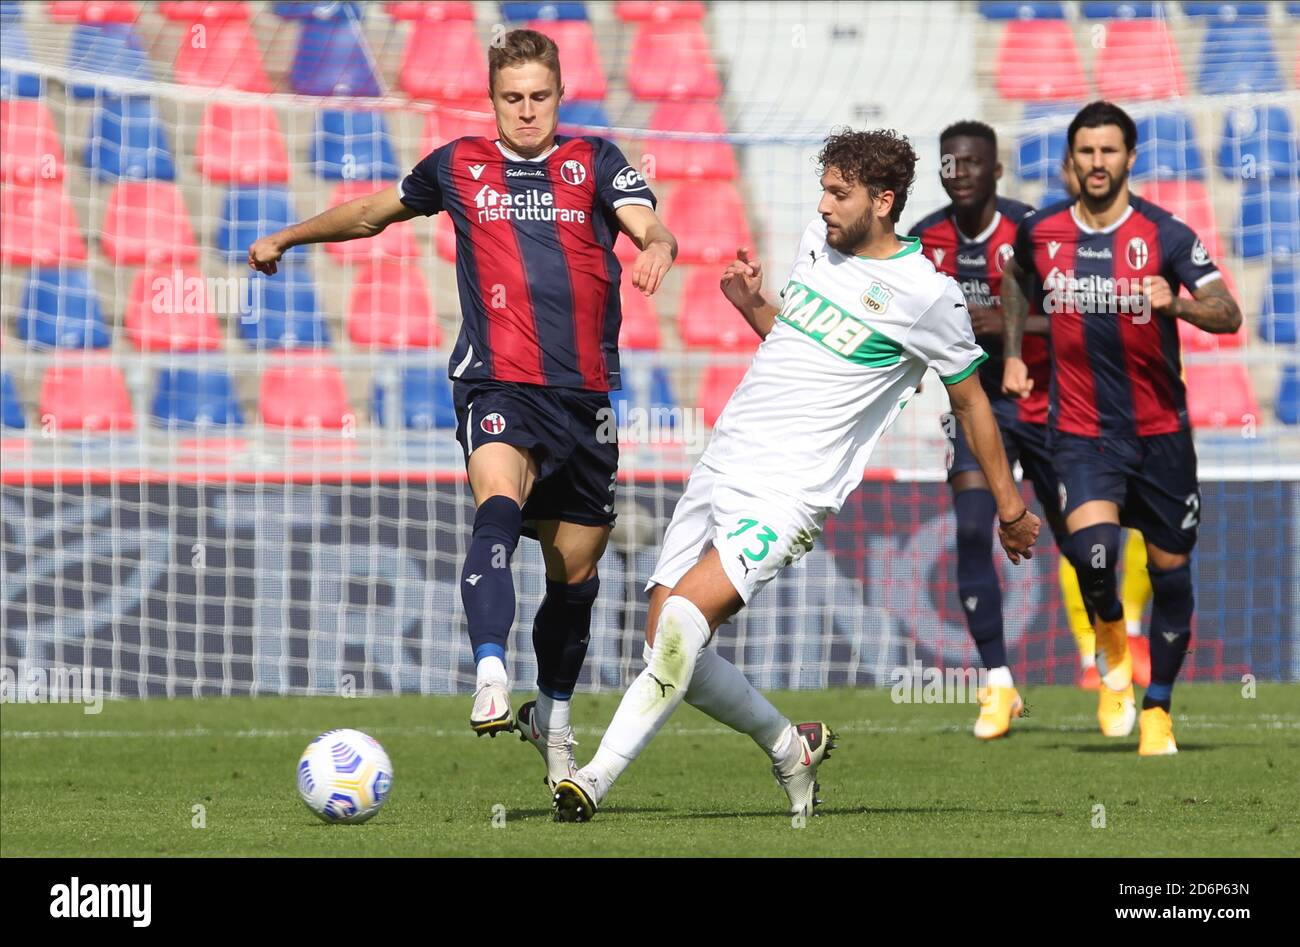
point(1134, 628)
point(491, 670)
point(1087, 661)
point(719, 689)
point(681, 634)
point(552, 714)
point(1000, 677)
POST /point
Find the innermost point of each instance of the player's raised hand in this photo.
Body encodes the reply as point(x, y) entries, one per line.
point(742, 279)
point(1015, 378)
point(1019, 535)
point(1158, 293)
point(650, 266)
point(263, 256)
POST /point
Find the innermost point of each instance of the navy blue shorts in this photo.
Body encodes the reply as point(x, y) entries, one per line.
point(567, 430)
point(1151, 479)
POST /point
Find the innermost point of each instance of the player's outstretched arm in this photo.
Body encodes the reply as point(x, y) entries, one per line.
point(658, 246)
point(363, 217)
point(1015, 314)
point(742, 284)
point(1212, 308)
point(1018, 528)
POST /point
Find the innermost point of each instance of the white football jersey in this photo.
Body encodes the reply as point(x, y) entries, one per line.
point(852, 340)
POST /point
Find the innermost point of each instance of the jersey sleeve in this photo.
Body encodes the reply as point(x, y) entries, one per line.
point(420, 190)
point(942, 337)
point(1185, 256)
point(1024, 249)
point(617, 182)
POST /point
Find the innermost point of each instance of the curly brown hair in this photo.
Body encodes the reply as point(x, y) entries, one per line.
point(523, 46)
point(882, 159)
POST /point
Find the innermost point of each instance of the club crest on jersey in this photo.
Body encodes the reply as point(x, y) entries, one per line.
point(1136, 253)
point(573, 172)
point(1000, 257)
point(1200, 256)
point(476, 170)
point(493, 423)
point(877, 298)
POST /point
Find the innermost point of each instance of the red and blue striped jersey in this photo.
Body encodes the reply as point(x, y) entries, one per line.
point(535, 265)
point(1116, 368)
point(976, 263)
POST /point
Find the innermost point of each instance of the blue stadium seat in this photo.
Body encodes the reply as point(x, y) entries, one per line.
point(1039, 152)
point(1238, 56)
point(1258, 142)
point(1167, 148)
point(321, 12)
point(521, 12)
point(1288, 395)
point(128, 140)
point(1270, 219)
point(353, 146)
point(11, 10)
point(1280, 311)
point(1293, 9)
point(1022, 11)
point(189, 396)
point(585, 113)
point(60, 310)
point(624, 399)
point(1055, 193)
point(284, 312)
point(1224, 11)
point(661, 389)
point(11, 406)
point(13, 45)
point(112, 49)
point(332, 60)
point(660, 395)
point(251, 212)
point(426, 399)
point(1122, 11)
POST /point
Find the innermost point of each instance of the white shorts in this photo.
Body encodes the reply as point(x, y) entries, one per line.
point(757, 533)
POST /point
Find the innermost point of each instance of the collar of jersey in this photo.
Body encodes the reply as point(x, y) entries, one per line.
point(514, 157)
point(982, 235)
point(910, 245)
point(1128, 212)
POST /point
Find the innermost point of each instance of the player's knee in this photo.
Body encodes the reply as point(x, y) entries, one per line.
point(683, 631)
point(499, 518)
point(1095, 550)
point(975, 510)
point(1172, 593)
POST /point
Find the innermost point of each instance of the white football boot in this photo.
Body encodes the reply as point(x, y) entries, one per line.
point(577, 798)
point(799, 779)
point(556, 748)
point(491, 712)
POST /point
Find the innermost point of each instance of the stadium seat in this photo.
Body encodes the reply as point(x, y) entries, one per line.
point(1054, 194)
point(129, 140)
point(1288, 395)
point(549, 12)
point(60, 310)
point(1039, 152)
point(676, 160)
point(390, 307)
point(30, 150)
point(1120, 11)
point(444, 61)
point(1167, 148)
point(241, 144)
point(623, 399)
point(671, 60)
point(639, 11)
point(437, 12)
point(396, 241)
point(584, 78)
point(92, 11)
point(1258, 141)
point(11, 406)
point(439, 129)
point(640, 326)
point(352, 146)
point(444, 237)
point(192, 11)
point(252, 212)
point(146, 222)
point(284, 313)
point(1280, 311)
point(1220, 395)
point(1138, 60)
point(1022, 11)
point(1189, 201)
point(318, 11)
point(1270, 219)
point(717, 382)
point(1225, 11)
point(11, 10)
point(578, 118)
point(708, 219)
point(169, 310)
point(38, 226)
point(332, 58)
point(228, 59)
point(1037, 62)
point(426, 399)
point(112, 50)
point(190, 396)
point(85, 394)
point(1237, 56)
point(657, 401)
point(1293, 8)
point(13, 45)
point(304, 391)
point(706, 320)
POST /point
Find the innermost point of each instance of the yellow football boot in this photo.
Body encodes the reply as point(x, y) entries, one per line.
point(1157, 733)
point(997, 706)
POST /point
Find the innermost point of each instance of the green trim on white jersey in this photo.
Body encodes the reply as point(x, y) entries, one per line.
point(965, 372)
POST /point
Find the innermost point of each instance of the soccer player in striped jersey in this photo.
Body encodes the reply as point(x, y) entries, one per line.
point(1105, 269)
point(536, 215)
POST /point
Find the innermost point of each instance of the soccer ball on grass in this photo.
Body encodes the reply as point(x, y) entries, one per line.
point(344, 776)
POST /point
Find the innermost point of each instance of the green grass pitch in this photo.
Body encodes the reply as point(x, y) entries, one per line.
point(906, 780)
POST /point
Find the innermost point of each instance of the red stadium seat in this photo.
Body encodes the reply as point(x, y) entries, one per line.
point(1188, 201)
point(1037, 61)
point(640, 327)
point(444, 61)
point(445, 126)
point(93, 12)
point(191, 11)
point(390, 307)
point(716, 385)
point(675, 160)
point(229, 58)
point(169, 310)
point(241, 144)
point(580, 60)
point(304, 391)
point(85, 394)
point(1138, 61)
point(707, 321)
point(38, 226)
point(30, 150)
point(146, 222)
point(636, 11)
point(418, 10)
point(1220, 395)
point(708, 220)
point(672, 61)
point(397, 240)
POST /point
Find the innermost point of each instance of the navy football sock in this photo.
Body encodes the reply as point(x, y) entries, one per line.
point(561, 631)
point(1172, 602)
point(487, 587)
point(1096, 549)
point(977, 577)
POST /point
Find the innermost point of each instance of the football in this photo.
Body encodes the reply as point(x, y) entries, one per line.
point(344, 776)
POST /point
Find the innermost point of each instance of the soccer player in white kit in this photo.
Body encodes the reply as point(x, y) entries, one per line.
point(863, 315)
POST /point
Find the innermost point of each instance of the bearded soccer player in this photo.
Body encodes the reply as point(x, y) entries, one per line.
point(863, 315)
point(536, 215)
point(1105, 269)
